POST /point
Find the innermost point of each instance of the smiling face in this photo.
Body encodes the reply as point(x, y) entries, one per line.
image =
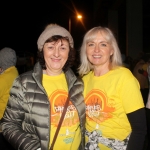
point(55, 56)
point(99, 52)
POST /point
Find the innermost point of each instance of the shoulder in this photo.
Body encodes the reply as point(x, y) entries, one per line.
point(24, 77)
point(87, 76)
point(122, 75)
point(26, 74)
point(122, 71)
point(125, 77)
point(3, 82)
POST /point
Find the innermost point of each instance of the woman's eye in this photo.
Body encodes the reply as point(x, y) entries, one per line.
point(62, 48)
point(50, 47)
point(90, 44)
point(103, 44)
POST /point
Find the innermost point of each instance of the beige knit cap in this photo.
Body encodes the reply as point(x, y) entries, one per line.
point(51, 30)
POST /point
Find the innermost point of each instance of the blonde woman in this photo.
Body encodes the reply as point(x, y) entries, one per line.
point(115, 113)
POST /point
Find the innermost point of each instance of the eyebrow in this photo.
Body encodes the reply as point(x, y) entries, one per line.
point(100, 42)
point(56, 42)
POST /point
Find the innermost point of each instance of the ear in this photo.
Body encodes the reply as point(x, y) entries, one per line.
point(112, 52)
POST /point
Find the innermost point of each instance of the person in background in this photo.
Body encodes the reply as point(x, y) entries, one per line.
point(148, 107)
point(115, 113)
point(140, 73)
point(38, 97)
point(8, 73)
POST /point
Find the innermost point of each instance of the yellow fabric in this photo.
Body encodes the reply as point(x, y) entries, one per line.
point(6, 81)
point(69, 136)
point(108, 99)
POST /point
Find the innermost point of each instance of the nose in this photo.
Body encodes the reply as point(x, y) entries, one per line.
point(56, 52)
point(97, 48)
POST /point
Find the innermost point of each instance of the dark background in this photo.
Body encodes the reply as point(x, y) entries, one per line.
point(21, 22)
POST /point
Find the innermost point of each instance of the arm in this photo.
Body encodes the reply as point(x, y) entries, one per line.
point(137, 121)
point(12, 122)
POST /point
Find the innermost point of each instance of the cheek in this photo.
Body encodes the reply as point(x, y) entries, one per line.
point(65, 55)
point(88, 52)
point(46, 53)
point(45, 56)
point(108, 52)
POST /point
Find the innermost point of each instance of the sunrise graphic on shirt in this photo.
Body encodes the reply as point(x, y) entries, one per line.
point(58, 99)
point(98, 108)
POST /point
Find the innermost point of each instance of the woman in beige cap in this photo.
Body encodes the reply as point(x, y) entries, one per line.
point(38, 99)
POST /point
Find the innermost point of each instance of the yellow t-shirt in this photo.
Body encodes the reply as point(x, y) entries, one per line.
point(108, 99)
point(69, 136)
point(6, 80)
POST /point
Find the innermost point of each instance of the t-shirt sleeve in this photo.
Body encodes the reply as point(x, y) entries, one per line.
point(130, 94)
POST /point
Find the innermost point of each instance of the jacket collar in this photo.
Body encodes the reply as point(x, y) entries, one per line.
point(38, 72)
point(71, 78)
point(69, 74)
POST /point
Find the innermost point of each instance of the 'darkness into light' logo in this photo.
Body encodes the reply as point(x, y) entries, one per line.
point(98, 108)
point(58, 99)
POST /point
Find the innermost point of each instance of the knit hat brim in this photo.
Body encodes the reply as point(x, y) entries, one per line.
point(51, 31)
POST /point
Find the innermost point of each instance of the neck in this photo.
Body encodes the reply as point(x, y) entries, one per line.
point(99, 71)
point(50, 73)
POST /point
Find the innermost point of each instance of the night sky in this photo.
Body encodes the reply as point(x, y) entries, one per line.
point(23, 21)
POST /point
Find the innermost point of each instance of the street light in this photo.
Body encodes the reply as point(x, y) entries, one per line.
point(79, 17)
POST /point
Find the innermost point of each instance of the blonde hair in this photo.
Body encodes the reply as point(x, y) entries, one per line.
point(85, 65)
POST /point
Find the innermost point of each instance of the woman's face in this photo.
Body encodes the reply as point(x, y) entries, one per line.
point(99, 51)
point(56, 55)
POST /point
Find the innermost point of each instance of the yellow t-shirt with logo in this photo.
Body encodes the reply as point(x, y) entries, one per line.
point(69, 136)
point(108, 99)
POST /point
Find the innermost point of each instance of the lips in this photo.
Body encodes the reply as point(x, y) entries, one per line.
point(97, 56)
point(56, 60)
